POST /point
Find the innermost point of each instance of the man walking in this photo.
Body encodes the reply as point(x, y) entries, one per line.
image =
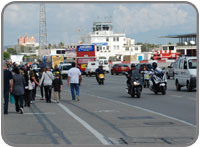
point(74, 76)
point(8, 85)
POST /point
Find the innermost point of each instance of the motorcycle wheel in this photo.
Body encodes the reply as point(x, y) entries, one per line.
point(138, 94)
point(163, 90)
point(155, 92)
point(132, 95)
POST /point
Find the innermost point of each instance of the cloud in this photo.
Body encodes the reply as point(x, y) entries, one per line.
point(24, 15)
point(152, 17)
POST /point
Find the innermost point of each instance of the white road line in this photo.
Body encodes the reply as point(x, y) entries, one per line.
point(39, 113)
point(86, 125)
point(144, 110)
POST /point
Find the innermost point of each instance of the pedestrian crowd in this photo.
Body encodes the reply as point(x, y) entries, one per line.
point(21, 84)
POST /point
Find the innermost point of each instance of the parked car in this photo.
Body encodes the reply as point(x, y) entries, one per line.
point(91, 68)
point(119, 68)
point(185, 73)
point(170, 71)
point(64, 68)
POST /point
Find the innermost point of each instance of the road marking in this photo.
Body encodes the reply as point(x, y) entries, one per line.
point(98, 135)
point(39, 113)
point(144, 110)
point(107, 111)
point(178, 96)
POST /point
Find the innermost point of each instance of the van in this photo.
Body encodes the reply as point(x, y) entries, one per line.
point(104, 62)
point(91, 68)
point(64, 68)
point(185, 72)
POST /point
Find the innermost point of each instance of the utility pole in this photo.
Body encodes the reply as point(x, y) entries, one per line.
point(79, 36)
point(42, 32)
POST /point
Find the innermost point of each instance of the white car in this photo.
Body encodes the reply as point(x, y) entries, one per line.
point(185, 71)
point(91, 68)
point(64, 68)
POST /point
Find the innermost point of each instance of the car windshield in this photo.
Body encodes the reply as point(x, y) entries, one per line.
point(192, 63)
point(67, 67)
point(123, 65)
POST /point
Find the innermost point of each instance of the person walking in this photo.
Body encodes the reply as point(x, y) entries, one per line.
point(47, 78)
point(57, 85)
point(35, 82)
point(28, 91)
point(41, 86)
point(8, 86)
point(18, 90)
point(74, 76)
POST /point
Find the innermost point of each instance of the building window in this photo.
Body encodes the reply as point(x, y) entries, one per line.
point(58, 52)
point(107, 47)
point(114, 47)
point(127, 49)
point(136, 48)
point(63, 51)
point(117, 38)
point(117, 47)
point(107, 39)
point(103, 48)
point(113, 38)
point(100, 47)
point(97, 48)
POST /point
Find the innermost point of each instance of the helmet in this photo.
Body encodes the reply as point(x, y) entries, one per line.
point(154, 65)
point(132, 65)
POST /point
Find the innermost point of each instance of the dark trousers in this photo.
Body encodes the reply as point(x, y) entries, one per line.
point(6, 100)
point(34, 93)
point(19, 99)
point(27, 97)
point(47, 90)
point(41, 90)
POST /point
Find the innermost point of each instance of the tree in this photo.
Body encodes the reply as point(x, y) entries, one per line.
point(61, 45)
point(6, 55)
point(12, 51)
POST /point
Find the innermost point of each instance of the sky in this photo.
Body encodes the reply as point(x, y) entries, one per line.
point(143, 22)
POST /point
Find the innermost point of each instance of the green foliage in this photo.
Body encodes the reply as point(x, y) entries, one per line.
point(12, 51)
point(147, 46)
point(61, 45)
point(6, 55)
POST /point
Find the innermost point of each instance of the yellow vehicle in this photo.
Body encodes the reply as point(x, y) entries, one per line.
point(101, 79)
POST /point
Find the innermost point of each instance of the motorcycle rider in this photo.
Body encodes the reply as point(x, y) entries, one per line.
point(156, 70)
point(99, 70)
point(131, 73)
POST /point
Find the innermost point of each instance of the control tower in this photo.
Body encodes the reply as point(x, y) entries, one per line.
point(102, 28)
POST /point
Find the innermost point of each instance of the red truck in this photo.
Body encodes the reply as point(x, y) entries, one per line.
point(161, 55)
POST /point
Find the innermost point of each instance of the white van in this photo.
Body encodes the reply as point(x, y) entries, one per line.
point(185, 71)
point(105, 64)
point(64, 68)
point(91, 68)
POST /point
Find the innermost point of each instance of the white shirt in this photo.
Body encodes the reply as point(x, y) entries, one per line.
point(74, 74)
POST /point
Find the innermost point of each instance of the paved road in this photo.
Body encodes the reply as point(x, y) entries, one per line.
point(106, 115)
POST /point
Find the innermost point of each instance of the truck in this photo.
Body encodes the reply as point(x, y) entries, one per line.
point(53, 60)
point(163, 55)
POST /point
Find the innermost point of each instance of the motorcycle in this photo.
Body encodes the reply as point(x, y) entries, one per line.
point(101, 79)
point(135, 87)
point(158, 82)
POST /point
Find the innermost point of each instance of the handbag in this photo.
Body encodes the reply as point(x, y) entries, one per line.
point(12, 99)
point(30, 86)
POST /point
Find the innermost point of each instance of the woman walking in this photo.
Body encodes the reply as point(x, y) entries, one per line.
point(34, 83)
point(47, 78)
point(18, 90)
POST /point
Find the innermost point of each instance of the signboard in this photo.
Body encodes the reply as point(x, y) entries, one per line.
point(100, 44)
point(85, 48)
point(85, 60)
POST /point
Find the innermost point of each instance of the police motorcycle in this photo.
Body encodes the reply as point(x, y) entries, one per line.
point(158, 81)
point(135, 84)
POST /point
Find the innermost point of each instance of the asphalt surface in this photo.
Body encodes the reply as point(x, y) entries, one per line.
point(106, 114)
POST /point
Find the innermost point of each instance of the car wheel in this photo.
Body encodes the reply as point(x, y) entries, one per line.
point(189, 87)
point(178, 87)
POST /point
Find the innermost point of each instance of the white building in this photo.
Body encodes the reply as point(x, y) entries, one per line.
point(109, 44)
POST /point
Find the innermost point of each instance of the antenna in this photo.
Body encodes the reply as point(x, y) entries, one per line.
point(42, 30)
